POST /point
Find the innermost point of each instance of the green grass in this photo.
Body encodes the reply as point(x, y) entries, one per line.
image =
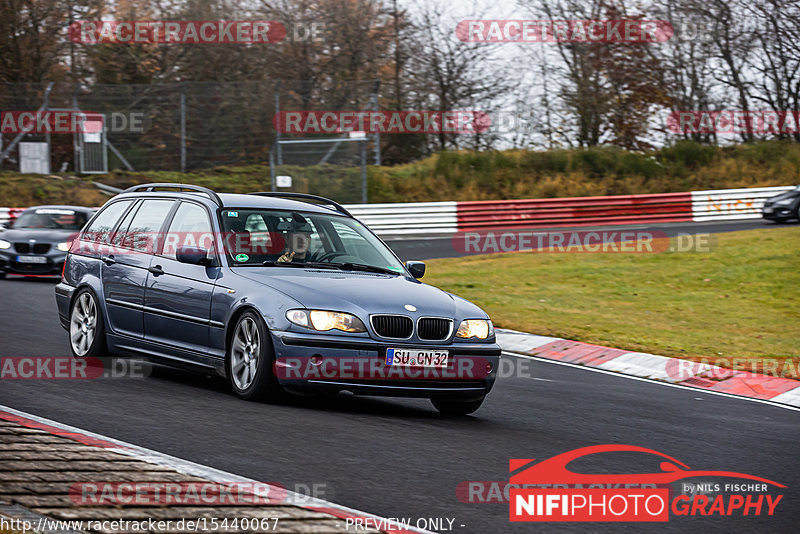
point(741, 300)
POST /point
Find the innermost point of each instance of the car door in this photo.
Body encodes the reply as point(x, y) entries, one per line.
point(177, 308)
point(125, 271)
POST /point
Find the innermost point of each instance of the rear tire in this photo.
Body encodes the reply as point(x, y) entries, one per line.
point(250, 360)
point(87, 334)
point(457, 407)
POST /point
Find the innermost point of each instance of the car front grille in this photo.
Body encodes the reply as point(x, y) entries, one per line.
point(392, 326)
point(38, 248)
point(434, 328)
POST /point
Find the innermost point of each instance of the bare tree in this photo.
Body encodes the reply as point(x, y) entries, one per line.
point(449, 74)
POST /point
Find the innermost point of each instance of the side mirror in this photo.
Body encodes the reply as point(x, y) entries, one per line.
point(416, 268)
point(193, 256)
point(4, 225)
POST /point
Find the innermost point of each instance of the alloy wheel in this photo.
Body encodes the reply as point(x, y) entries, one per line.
point(245, 353)
point(83, 324)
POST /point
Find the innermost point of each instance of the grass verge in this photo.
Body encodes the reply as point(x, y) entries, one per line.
point(741, 300)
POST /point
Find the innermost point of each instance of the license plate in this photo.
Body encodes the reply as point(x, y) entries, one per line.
point(416, 358)
point(31, 259)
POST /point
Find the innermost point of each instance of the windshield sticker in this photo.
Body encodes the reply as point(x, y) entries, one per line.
point(232, 214)
point(241, 257)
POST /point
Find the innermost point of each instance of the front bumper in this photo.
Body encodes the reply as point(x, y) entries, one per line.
point(359, 365)
point(777, 213)
point(52, 264)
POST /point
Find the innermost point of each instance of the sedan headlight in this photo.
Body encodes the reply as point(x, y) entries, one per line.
point(4, 244)
point(326, 320)
point(63, 247)
point(785, 201)
point(480, 328)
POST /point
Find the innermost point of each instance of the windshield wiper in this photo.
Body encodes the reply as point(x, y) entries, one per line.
point(364, 267)
point(335, 266)
point(305, 264)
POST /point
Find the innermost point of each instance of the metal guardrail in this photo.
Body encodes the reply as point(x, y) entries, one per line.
point(107, 189)
point(8, 214)
point(578, 211)
point(413, 219)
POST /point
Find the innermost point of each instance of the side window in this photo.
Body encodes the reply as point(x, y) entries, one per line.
point(105, 221)
point(142, 234)
point(189, 228)
point(122, 229)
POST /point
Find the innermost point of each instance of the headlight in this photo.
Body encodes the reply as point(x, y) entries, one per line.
point(785, 202)
point(4, 244)
point(63, 247)
point(326, 320)
point(480, 328)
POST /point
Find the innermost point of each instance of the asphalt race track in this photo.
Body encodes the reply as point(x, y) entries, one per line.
point(399, 458)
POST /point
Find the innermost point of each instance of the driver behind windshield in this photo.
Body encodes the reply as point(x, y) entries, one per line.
point(298, 239)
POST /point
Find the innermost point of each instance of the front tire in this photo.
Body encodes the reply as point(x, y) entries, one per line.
point(457, 407)
point(87, 334)
point(250, 360)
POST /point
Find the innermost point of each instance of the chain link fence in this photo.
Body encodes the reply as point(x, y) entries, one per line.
point(199, 125)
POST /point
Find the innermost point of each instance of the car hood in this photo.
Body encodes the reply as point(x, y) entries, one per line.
point(361, 293)
point(40, 235)
point(788, 194)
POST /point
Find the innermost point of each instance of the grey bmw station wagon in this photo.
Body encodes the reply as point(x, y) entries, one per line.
point(278, 292)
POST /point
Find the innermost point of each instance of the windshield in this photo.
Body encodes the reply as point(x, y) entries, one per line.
point(258, 237)
point(51, 218)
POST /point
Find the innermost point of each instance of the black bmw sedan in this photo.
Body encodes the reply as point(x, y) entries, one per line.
point(37, 241)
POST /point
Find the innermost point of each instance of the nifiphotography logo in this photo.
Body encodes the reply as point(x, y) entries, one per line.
point(550, 491)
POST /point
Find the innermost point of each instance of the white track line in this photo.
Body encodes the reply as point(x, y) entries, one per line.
point(620, 375)
point(203, 471)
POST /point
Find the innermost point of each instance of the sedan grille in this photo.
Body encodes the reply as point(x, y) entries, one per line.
point(38, 248)
point(434, 328)
point(392, 326)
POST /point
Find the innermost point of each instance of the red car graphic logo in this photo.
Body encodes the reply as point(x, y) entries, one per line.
point(554, 470)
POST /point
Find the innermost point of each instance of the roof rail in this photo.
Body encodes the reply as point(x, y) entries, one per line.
point(304, 196)
point(188, 187)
